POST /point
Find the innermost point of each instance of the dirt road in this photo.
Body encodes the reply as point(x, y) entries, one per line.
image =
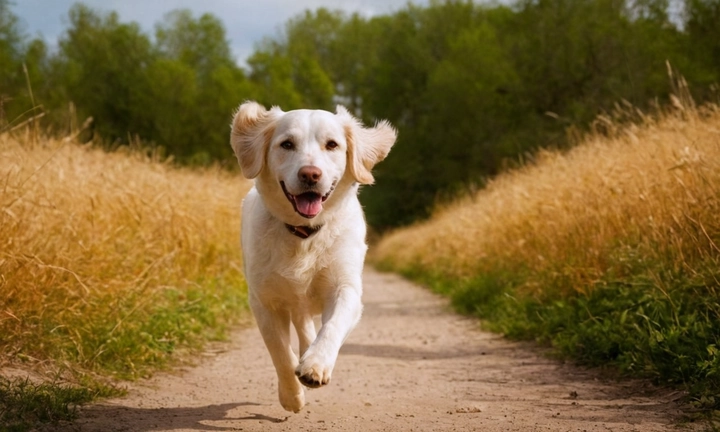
point(411, 365)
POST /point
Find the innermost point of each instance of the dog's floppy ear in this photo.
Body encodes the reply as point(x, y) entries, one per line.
point(366, 146)
point(252, 129)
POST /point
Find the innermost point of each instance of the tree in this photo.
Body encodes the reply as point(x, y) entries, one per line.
point(471, 87)
point(16, 57)
point(295, 71)
point(440, 71)
point(196, 87)
point(103, 67)
point(178, 93)
point(200, 43)
point(271, 71)
point(703, 30)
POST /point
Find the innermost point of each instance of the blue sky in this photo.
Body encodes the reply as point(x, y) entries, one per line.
point(246, 21)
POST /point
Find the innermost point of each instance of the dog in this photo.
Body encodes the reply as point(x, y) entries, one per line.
point(303, 232)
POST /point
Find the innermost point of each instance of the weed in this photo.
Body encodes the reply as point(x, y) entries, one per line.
point(24, 403)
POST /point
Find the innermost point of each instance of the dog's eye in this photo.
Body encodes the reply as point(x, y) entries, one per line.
point(287, 145)
point(331, 145)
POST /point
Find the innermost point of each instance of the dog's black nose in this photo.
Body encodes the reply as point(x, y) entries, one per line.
point(309, 175)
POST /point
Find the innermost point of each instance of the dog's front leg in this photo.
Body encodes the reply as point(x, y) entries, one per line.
point(342, 312)
point(274, 325)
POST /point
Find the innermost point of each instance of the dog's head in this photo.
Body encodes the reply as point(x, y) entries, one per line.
point(304, 155)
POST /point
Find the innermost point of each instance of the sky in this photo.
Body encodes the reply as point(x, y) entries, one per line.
point(246, 21)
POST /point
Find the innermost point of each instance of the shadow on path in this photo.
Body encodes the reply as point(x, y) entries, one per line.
point(113, 418)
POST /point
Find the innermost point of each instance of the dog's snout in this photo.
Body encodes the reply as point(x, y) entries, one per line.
point(310, 175)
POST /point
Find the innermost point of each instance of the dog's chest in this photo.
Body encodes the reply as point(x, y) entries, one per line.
point(301, 262)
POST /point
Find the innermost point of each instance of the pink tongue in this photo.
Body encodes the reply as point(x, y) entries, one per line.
point(309, 204)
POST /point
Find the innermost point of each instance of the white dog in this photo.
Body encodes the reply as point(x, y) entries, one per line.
point(303, 232)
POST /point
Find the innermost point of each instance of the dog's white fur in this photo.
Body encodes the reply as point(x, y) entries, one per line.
point(291, 279)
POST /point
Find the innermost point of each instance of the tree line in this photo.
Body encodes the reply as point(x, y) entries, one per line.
point(471, 86)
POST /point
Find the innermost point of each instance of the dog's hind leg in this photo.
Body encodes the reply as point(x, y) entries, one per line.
point(274, 326)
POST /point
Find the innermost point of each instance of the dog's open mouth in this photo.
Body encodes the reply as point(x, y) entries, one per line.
point(307, 204)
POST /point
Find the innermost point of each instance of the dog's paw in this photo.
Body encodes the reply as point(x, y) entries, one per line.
point(291, 399)
point(313, 373)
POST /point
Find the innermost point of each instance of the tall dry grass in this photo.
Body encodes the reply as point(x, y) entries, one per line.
point(651, 190)
point(112, 261)
point(608, 252)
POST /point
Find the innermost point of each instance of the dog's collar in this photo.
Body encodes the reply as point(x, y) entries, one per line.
point(302, 231)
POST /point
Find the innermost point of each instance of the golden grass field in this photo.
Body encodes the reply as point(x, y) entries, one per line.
point(651, 190)
point(111, 261)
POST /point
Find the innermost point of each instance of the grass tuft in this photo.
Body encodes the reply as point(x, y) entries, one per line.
point(24, 403)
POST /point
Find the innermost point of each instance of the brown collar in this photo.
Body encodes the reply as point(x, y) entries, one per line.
point(302, 231)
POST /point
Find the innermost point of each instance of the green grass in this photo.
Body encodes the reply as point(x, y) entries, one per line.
point(24, 403)
point(140, 332)
point(131, 343)
point(654, 322)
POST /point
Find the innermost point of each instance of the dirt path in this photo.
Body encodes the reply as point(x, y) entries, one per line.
point(411, 365)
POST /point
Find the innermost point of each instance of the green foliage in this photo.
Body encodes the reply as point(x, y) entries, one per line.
point(141, 330)
point(294, 73)
point(102, 66)
point(704, 39)
point(647, 321)
point(195, 86)
point(177, 91)
point(15, 51)
point(136, 340)
point(198, 43)
point(24, 403)
point(472, 87)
